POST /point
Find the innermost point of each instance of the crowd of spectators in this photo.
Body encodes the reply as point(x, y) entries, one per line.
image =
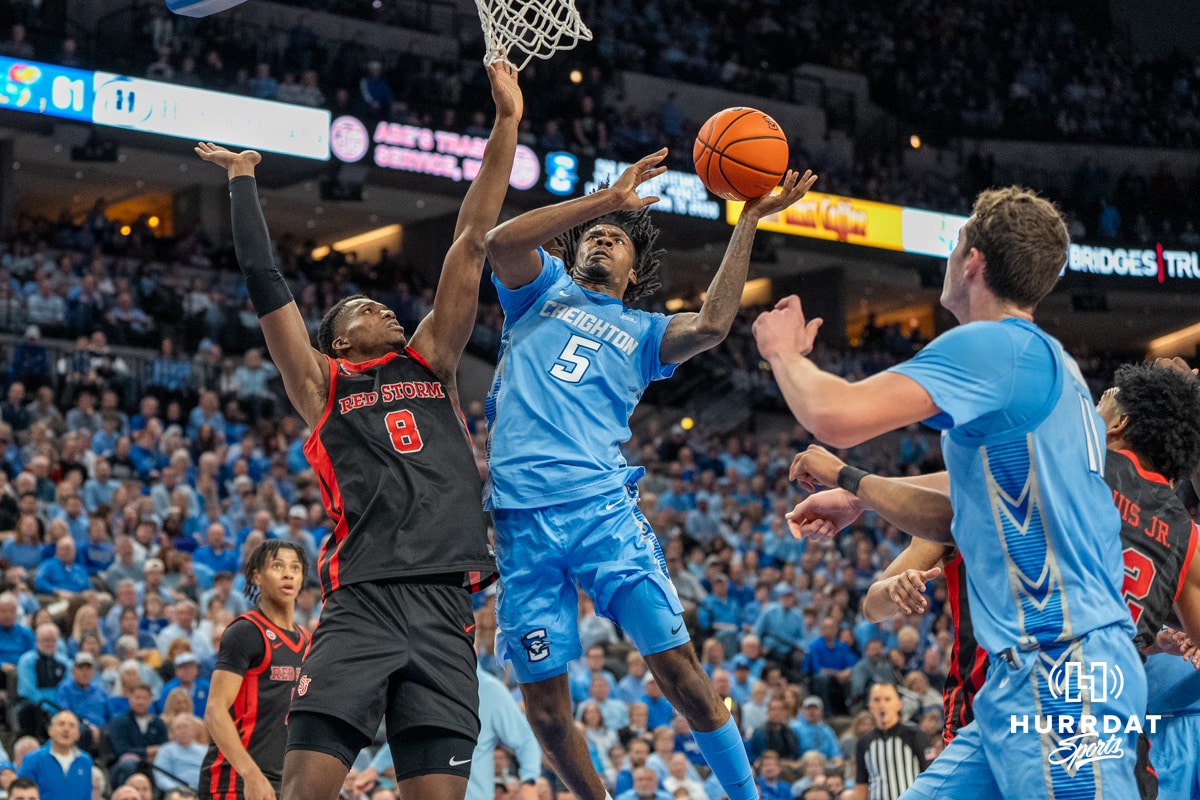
point(984, 69)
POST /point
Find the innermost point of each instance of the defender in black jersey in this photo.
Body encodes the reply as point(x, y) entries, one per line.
point(258, 665)
point(399, 480)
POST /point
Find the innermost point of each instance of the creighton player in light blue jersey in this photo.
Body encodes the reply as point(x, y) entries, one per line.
point(1033, 517)
point(574, 361)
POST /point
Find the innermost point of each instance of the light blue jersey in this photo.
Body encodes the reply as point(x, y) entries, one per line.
point(1033, 516)
point(1040, 537)
point(572, 367)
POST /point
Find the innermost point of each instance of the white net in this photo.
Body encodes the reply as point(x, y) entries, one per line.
point(524, 29)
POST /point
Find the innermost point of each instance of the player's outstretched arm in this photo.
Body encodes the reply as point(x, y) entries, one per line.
point(512, 247)
point(302, 368)
point(691, 333)
point(901, 588)
point(221, 694)
point(441, 337)
point(834, 410)
point(918, 505)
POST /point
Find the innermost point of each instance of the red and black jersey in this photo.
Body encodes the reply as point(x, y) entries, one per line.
point(268, 659)
point(398, 477)
point(968, 661)
point(1158, 538)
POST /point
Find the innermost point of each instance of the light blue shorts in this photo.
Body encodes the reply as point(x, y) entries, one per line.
point(1002, 754)
point(1175, 756)
point(605, 545)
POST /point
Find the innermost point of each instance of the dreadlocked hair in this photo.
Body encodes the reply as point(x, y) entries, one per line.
point(641, 231)
point(259, 558)
point(325, 333)
point(1164, 416)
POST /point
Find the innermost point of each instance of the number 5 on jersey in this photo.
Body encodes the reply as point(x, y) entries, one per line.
point(403, 429)
point(571, 365)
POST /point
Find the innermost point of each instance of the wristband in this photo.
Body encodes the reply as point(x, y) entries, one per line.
point(849, 477)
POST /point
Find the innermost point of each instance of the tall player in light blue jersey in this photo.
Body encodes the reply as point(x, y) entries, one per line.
point(1033, 517)
point(574, 361)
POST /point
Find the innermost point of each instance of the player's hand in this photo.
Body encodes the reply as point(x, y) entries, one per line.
point(1176, 643)
point(365, 781)
point(907, 590)
point(625, 187)
point(506, 91)
point(820, 516)
point(784, 330)
point(815, 467)
point(794, 187)
point(234, 164)
point(257, 787)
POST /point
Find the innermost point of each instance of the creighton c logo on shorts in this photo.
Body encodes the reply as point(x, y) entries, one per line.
point(536, 645)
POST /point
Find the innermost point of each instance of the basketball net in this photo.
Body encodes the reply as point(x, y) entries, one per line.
point(524, 29)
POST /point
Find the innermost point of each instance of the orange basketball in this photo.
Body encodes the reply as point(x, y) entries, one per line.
point(740, 154)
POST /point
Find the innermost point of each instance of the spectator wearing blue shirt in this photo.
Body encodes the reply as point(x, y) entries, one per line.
point(829, 664)
point(99, 489)
point(24, 549)
point(580, 674)
point(61, 574)
point(740, 681)
point(207, 412)
point(15, 639)
point(815, 734)
point(182, 756)
point(661, 712)
point(187, 677)
point(79, 694)
point(629, 688)
point(73, 514)
point(60, 769)
point(144, 456)
point(720, 615)
point(97, 553)
point(780, 628)
point(615, 712)
point(39, 672)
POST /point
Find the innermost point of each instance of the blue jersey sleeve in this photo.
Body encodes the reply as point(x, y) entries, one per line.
point(652, 367)
point(516, 302)
point(984, 376)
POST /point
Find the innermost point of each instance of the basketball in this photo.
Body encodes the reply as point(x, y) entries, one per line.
point(201, 8)
point(740, 153)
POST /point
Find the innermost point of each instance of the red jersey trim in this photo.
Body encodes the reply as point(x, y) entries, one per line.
point(362, 366)
point(263, 621)
point(1146, 474)
point(1187, 563)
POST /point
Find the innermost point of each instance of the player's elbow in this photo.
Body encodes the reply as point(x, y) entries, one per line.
point(834, 427)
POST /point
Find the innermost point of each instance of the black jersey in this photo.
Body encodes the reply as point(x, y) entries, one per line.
point(398, 477)
point(968, 661)
point(1158, 538)
point(268, 659)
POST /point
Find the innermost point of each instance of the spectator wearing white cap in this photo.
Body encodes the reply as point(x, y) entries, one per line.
point(815, 734)
point(298, 534)
point(187, 677)
point(153, 572)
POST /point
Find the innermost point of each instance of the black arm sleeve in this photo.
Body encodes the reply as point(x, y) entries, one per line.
point(252, 244)
point(242, 647)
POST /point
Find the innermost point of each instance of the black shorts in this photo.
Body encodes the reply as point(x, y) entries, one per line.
point(403, 652)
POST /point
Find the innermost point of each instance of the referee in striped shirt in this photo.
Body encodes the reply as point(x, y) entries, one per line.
point(891, 756)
